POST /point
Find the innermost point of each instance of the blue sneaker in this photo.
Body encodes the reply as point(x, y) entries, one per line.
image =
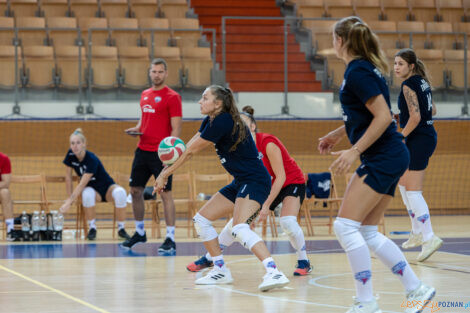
point(303, 268)
point(200, 264)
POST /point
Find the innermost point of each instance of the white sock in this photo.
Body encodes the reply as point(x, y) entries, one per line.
point(359, 260)
point(225, 240)
point(270, 265)
point(10, 224)
point(91, 224)
point(170, 232)
point(393, 258)
point(415, 225)
point(219, 262)
point(420, 207)
point(296, 237)
point(121, 225)
point(139, 227)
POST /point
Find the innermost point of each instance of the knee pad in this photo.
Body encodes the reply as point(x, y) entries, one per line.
point(347, 232)
point(245, 235)
point(204, 228)
point(290, 226)
point(373, 238)
point(225, 236)
point(120, 197)
point(88, 197)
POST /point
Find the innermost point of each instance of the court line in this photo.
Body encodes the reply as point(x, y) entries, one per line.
point(38, 283)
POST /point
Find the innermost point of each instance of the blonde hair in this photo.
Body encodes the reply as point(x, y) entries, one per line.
point(79, 132)
point(360, 42)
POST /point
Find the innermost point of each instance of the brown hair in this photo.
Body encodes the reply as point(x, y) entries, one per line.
point(410, 57)
point(158, 61)
point(361, 42)
point(225, 95)
point(79, 132)
point(248, 111)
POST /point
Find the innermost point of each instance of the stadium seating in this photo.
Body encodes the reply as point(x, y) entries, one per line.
point(339, 8)
point(144, 8)
point(32, 31)
point(386, 30)
point(423, 10)
point(114, 8)
point(67, 61)
point(455, 66)
point(396, 10)
point(63, 37)
point(134, 63)
point(99, 37)
point(173, 8)
point(57, 8)
point(434, 61)
point(188, 37)
point(84, 8)
point(197, 64)
point(7, 36)
point(418, 36)
point(368, 10)
point(451, 10)
point(161, 33)
point(39, 66)
point(445, 40)
point(7, 66)
point(24, 8)
point(104, 67)
point(124, 38)
point(310, 8)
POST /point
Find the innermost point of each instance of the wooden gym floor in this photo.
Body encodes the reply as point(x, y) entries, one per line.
point(79, 276)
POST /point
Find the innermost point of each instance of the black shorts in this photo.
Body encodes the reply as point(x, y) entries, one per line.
point(145, 164)
point(292, 190)
point(421, 144)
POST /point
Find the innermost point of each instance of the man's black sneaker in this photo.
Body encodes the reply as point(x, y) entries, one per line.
point(135, 239)
point(12, 236)
point(168, 246)
point(123, 234)
point(91, 234)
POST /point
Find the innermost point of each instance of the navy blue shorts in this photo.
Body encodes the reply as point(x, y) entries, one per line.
point(145, 164)
point(257, 191)
point(101, 190)
point(292, 190)
point(421, 144)
point(385, 167)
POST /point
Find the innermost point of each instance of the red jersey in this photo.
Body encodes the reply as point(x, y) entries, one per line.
point(158, 107)
point(294, 174)
point(5, 165)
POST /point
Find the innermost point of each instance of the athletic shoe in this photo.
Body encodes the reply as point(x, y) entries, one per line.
point(429, 247)
point(421, 296)
point(364, 307)
point(123, 234)
point(200, 264)
point(415, 240)
point(134, 240)
point(273, 280)
point(12, 236)
point(303, 268)
point(91, 234)
point(216, 277)
point(168, 246)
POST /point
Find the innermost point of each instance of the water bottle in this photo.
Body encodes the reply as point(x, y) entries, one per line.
point(35, 225)
point(42, 221)
point(25, 225)
point(54, 220)
point(59, 224)
point(202, 196)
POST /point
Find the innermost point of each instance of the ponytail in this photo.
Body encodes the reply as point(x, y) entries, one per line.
point(409, 56)
point(79, 132)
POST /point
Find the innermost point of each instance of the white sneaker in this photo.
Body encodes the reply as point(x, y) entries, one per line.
point(421, 296)
point(364, 307)
point(429, 247)
point(273, 280)
point(415, 240)
point(216, 277)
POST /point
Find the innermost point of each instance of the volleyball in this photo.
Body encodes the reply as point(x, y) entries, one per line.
point(170, 149)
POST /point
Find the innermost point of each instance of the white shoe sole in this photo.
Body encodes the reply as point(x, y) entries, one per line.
point(127, 248)
point(422, 259)
point(225, 282)
point(429, 298)
point(273, 286)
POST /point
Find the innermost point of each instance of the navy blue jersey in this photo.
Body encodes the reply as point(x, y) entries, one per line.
point(92, 165)
point(423, 92)
point(244, 163)
point(363, 81)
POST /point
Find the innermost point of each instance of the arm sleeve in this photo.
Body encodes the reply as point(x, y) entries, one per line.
point(219, 127)
point(6, 166)
point(364, 84)
point(67, 161)
point(175, 106)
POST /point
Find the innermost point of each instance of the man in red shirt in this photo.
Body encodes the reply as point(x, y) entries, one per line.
point(5, 196)
point(161, 116)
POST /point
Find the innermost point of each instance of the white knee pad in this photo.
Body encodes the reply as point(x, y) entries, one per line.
point(347, 232)
point(290, 226)
point(373, 238)
point(120, 197)
point(204, 228)
point(225, 236)
point(245, 235)
point(88, 197)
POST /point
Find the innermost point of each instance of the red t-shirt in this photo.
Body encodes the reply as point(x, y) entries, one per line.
point(294, 174)
point(158, 107)
point(5, 165)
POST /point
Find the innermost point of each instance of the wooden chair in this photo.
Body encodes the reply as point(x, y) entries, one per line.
point(208, 184)
point(36, 191)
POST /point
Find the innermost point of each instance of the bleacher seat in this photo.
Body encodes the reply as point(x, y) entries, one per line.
point(172, 56)
point(173, 8)
point(24, 8)
point(84, 8)
point(7, 66)
point(387, 40)
point(188, 37)
point(162, 34)
point(424, 10)
point(451, 10)
point(368, 10)
point(39, 66)
point(339, 8)
point(7, 36)
point(104, 67)
point(396, 10)
point(310, 8)
point(115, 8)
point(63, 37)
point(322, 31)
point(433, 59)
point(455, 65)
point(444, 40)
point(99, 37)
point(124, 38)
point(134, 62)
point(67, 61)
point(36, 35)
point(197, 63)
point(419, 40)
point(57, 8)
point(144, 8)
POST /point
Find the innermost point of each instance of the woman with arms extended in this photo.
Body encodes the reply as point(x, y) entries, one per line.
point(384, 158)
point(416, 112)
point(288, 188)
point(224, 128)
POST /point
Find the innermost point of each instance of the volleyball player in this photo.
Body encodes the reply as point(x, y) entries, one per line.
point(5, 195)
point(95, 185)
point(250, 188)
point(365, 102)
point(416, 112)
point(288, 188)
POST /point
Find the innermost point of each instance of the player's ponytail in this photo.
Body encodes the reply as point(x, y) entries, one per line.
point(249, 112)
point(79, 132)
point(409, 56)
point(229, 105)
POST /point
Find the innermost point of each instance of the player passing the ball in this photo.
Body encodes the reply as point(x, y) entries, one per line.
point(161, 116)
point(368, 123)
point(250, 188)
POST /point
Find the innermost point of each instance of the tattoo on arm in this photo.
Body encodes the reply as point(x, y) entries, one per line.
point(411, 99)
